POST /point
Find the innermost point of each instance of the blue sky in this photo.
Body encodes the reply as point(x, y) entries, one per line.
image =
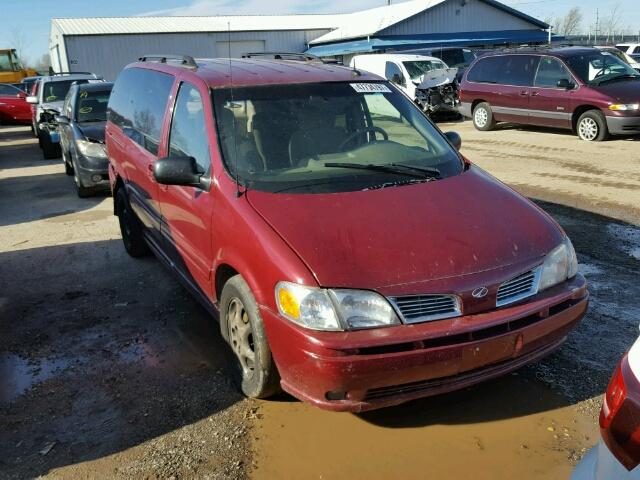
point(32, 17)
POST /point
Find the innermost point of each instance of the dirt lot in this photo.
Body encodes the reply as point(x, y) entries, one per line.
point(109, 369)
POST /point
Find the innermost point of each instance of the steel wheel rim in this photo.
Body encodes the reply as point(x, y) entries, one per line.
point(481, 117)
point(588, 129)
point(241, 336)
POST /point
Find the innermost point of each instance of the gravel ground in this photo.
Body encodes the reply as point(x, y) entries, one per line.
point(109, 369)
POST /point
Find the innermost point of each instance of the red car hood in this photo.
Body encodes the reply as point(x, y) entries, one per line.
point(370, 239)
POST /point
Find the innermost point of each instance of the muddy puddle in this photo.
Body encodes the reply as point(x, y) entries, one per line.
point(18, 375)
point(505, 429)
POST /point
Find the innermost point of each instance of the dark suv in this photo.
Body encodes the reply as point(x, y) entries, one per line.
point(584, 89)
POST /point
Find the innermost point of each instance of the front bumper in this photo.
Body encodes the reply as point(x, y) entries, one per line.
point(93, 171)
point(369, 369)
point(623, 125)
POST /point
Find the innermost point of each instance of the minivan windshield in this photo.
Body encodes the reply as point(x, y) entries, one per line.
point(328, 137)
point(596, 68)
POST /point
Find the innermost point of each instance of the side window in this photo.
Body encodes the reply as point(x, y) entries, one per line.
point(390, 70)
point(636, 51)
point(550, 71)
point(138, 103)
point(518, 70)
point(8, 90)
point(486, 70)
point(188, 136)
point(66, 107)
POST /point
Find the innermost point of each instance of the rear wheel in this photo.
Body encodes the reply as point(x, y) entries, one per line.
point(483, 117)
point(254, 371)
point(130, 227)
point(592, 126)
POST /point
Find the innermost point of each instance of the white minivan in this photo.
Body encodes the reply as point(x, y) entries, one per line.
point(428, 81)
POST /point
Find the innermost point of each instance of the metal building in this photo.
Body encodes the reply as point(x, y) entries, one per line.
point(105, 45)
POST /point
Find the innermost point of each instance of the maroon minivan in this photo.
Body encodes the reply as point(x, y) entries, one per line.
point(351, 255)
point(587, 90)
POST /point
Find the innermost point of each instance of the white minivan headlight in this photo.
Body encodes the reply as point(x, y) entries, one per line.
point(91, 149)
point(333, 309)
point(559, 265)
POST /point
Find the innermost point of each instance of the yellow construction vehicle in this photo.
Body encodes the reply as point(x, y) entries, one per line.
point(11, 69)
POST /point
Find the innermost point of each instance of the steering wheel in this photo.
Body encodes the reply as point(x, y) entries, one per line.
point(603, 71)
point(360, 131)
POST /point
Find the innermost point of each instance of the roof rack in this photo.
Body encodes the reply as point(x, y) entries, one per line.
point(53, 74)
point(295, 56)
point(183, 60)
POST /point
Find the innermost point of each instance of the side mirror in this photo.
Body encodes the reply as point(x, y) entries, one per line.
point(32, 99)
point(565, 83)
point(179, 171)
point(455, 139)
point(62, 119)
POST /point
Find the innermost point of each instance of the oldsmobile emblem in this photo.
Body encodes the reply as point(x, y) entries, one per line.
point(480, 292)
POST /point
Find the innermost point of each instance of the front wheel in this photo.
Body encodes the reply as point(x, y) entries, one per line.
point(483, 117)
point(592, 126)
point(254, 371)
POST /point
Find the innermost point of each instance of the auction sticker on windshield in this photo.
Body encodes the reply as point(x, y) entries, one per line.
point(370, 88)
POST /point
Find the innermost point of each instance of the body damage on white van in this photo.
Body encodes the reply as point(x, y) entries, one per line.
point(426, 80)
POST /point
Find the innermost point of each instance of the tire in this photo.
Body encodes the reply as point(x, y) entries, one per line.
point(68, 167)
point(130, 227)
point(81, 190)
point(253, 368)
point(592, 126)
point(49, 150)
point(483, 117)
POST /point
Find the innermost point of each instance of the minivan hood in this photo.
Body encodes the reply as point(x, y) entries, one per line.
point(93, 130)
point(624, 91)
point(460, 225)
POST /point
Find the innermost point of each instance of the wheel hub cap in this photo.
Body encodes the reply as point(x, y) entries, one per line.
point(588, 129)
point(481, 117)
point(241, 336)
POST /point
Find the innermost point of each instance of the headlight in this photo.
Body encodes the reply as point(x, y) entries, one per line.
point(559, 265)
point(335, 309)
point(91, 149)
point(624, 107)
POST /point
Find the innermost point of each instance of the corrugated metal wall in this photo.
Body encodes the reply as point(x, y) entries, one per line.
point(105, 55)
point(459, 16)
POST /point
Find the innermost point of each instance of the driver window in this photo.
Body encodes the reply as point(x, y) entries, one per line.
point(393, 73)
point(385, 116)
point(188, 137)
point(550, 72)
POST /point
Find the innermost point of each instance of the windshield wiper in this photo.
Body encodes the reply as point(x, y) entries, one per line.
point(395, 168)
point(619, 77)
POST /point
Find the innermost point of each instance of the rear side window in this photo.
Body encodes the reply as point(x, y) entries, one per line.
point(137, 105)
point(486, 70)
point(636, 50)
point(8, 90)
point(518, 70)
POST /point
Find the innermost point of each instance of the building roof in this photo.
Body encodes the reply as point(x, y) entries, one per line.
point(132, 25)
point(347, 26)
point(259, 71)
point(369, 22)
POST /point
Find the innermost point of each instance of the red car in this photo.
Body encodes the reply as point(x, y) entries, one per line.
point(587, 90)
point(14, 108)
point(351, 255)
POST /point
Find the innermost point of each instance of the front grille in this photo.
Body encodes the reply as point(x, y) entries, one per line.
point(523, 286)
point(424, 308)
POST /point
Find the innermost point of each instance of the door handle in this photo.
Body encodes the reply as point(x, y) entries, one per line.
point(524, 93)
point(535, 94)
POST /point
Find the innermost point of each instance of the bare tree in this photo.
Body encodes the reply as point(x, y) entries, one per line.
point(612, 23)
point(572, 22)
point(20, 41)
point(43, 63)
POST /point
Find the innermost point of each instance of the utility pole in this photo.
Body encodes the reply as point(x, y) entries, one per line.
point(595, 39)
